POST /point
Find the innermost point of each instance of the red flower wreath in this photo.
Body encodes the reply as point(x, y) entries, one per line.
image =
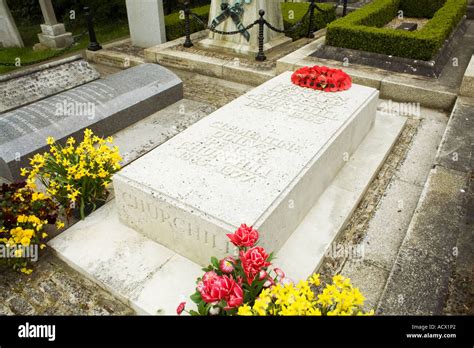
point(322, 78)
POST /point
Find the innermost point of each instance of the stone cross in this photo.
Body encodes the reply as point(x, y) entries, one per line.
point(9, 35)
point(48, 12)
point(53, 34)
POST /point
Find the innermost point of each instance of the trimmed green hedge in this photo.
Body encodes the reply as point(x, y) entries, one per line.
point(296, 10)
point(361, 30)
point(420, 8)
point(175, 25)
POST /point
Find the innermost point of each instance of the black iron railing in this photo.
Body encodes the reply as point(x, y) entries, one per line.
point(261, 22)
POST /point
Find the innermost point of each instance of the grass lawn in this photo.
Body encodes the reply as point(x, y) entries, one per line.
point(114, 30)
point(105, 33)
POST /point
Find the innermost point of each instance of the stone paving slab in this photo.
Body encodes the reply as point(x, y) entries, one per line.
point(420, 159)
point(379, 225)
point(457, 148)
point(369, 278)
point(388, 227)
point(418, 283)
point(461, 287)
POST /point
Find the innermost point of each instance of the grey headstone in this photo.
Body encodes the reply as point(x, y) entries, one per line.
point(21, 88)
point(104, 106)
point(5, 173)
point(9, 35)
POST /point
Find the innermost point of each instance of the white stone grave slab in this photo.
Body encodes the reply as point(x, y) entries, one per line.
point(264, 159)
point(153, 279)
point(147, 22)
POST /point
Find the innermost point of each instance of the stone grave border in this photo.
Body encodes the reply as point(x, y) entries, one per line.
point(395, 86)
point(42, 67)
point(431, 68)
point(467, 86)
point(212, 66)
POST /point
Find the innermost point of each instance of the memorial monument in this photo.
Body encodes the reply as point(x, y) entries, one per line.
point(236, 15)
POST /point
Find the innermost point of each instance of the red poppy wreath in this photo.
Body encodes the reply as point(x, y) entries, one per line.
point(322, 78)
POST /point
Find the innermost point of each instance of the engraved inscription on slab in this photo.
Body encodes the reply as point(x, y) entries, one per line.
point(41, 84)
point(243, 163)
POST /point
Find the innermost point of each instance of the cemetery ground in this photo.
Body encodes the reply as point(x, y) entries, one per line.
point(55, 288)
point(105, 33)
point(407, 244)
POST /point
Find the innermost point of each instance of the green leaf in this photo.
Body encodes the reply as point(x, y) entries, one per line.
point(194, 313)
point(215, 262)
point(196, 297)
point(202, 308)
point(271, 257)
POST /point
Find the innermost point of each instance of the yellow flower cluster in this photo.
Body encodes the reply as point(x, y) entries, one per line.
point(27, 227)
point(32, 211)
point(71, 172)
point(338, 298)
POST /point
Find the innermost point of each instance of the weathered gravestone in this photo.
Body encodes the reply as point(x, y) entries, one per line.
point(9, 35)
point(264, 160)
point(147, 22)
point(104, 106)
point(27, 86)
point(238, 15)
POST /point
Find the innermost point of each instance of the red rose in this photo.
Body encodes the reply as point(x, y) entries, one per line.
point(180, 308)
point(227, 265)
point(244, 237)
point(235, 298)
point(254, 261)
point(209, 275)
point(322, 78)
point(217, 288)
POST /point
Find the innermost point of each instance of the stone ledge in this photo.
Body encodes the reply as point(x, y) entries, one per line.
point(456, 149)
point(467, 86)
point(114, 59)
